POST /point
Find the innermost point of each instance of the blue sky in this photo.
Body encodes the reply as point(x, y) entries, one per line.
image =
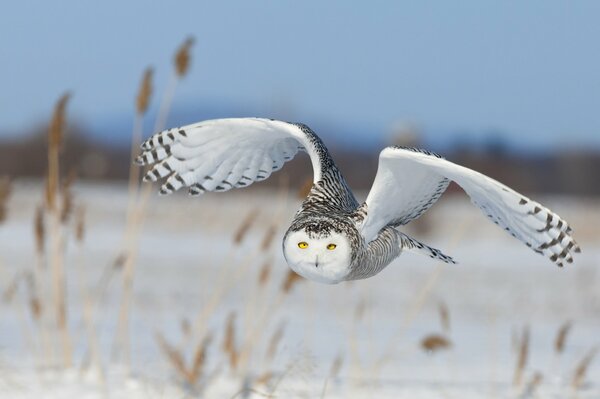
point(527, 71)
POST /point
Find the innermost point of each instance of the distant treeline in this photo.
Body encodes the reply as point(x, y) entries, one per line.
point(575, 173)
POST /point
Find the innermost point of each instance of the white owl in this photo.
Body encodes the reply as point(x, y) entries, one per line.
point(333, 238)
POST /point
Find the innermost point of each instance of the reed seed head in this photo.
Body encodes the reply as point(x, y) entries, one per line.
point(229, 346)
point(58, 122)
point(561, 337)
point(144, 92)
point(522, 357)
point(182, 57)
point(435, 342)
point(40, 230)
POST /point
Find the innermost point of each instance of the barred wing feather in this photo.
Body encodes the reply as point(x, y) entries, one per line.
point(221, 154)
point(409, 181)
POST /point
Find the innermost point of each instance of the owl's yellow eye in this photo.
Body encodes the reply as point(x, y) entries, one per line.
point(302, 245)
point(331, 247)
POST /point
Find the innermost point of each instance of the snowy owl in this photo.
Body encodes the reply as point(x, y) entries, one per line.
point(332, 237)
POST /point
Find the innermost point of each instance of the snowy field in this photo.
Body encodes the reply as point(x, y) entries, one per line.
point(352, 340)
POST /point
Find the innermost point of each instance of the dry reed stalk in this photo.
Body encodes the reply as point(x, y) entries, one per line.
point(181, 63)
point(80, 224)
point(191, 374)
point(40, 230)
point(229, 347)
point(265, 272)
point(182, 57)
point(291, 279)
point(5, 189)
point(435, 342)
point(444, 316)
point(561, 337)
point(522, 357)
point(67, 197)
point(174, 356)
point(132, 224)
point(245, 226)
point(267, 240)
point(336, 366)
point(274, 342)
point(199, 359)
point(95, 357)
point(582, 368)
point(55, 136)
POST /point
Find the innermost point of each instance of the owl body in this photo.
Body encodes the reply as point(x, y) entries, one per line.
point(333, 238)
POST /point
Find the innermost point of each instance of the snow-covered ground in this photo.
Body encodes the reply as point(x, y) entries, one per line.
point(190, 278)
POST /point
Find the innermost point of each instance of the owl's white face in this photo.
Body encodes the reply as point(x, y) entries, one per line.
point(325, 260)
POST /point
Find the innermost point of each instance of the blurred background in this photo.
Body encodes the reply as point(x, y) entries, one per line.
point(511, 89)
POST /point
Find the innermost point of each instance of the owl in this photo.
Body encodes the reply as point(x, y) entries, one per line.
point(332, 237)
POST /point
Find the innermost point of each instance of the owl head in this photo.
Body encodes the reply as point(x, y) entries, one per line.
point(318, 250)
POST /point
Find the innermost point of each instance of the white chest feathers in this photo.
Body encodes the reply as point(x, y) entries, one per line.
point(325, 259)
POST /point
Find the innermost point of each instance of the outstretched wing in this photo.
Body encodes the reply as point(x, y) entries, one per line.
point(409, 181)
point(220, 154)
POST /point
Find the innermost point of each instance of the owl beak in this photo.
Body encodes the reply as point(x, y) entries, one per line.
point(317, 261)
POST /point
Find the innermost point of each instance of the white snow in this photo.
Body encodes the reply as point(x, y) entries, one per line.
point(375, 326)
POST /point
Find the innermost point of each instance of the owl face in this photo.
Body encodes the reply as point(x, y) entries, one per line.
point(324, 258)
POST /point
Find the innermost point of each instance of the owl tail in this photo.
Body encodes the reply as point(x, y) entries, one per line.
point(412, 245)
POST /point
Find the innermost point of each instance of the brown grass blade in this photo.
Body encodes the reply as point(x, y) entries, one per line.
point(522, 357)
point(144, 92)
point(67, 198)
point(532, 385)
point(291, 279)
point(173, 355)
point(561, 336)
point(245, 226)
point(182, 57)
point(435, 342)
point(199, 360)
point(229, 346)
point(265, 272)
point(40, 230)
point(582, 367)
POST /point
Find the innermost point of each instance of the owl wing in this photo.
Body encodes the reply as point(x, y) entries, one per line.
point(220, 154)
point(409, 181)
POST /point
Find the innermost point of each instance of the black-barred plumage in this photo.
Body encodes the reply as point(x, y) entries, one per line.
point(332, 237)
